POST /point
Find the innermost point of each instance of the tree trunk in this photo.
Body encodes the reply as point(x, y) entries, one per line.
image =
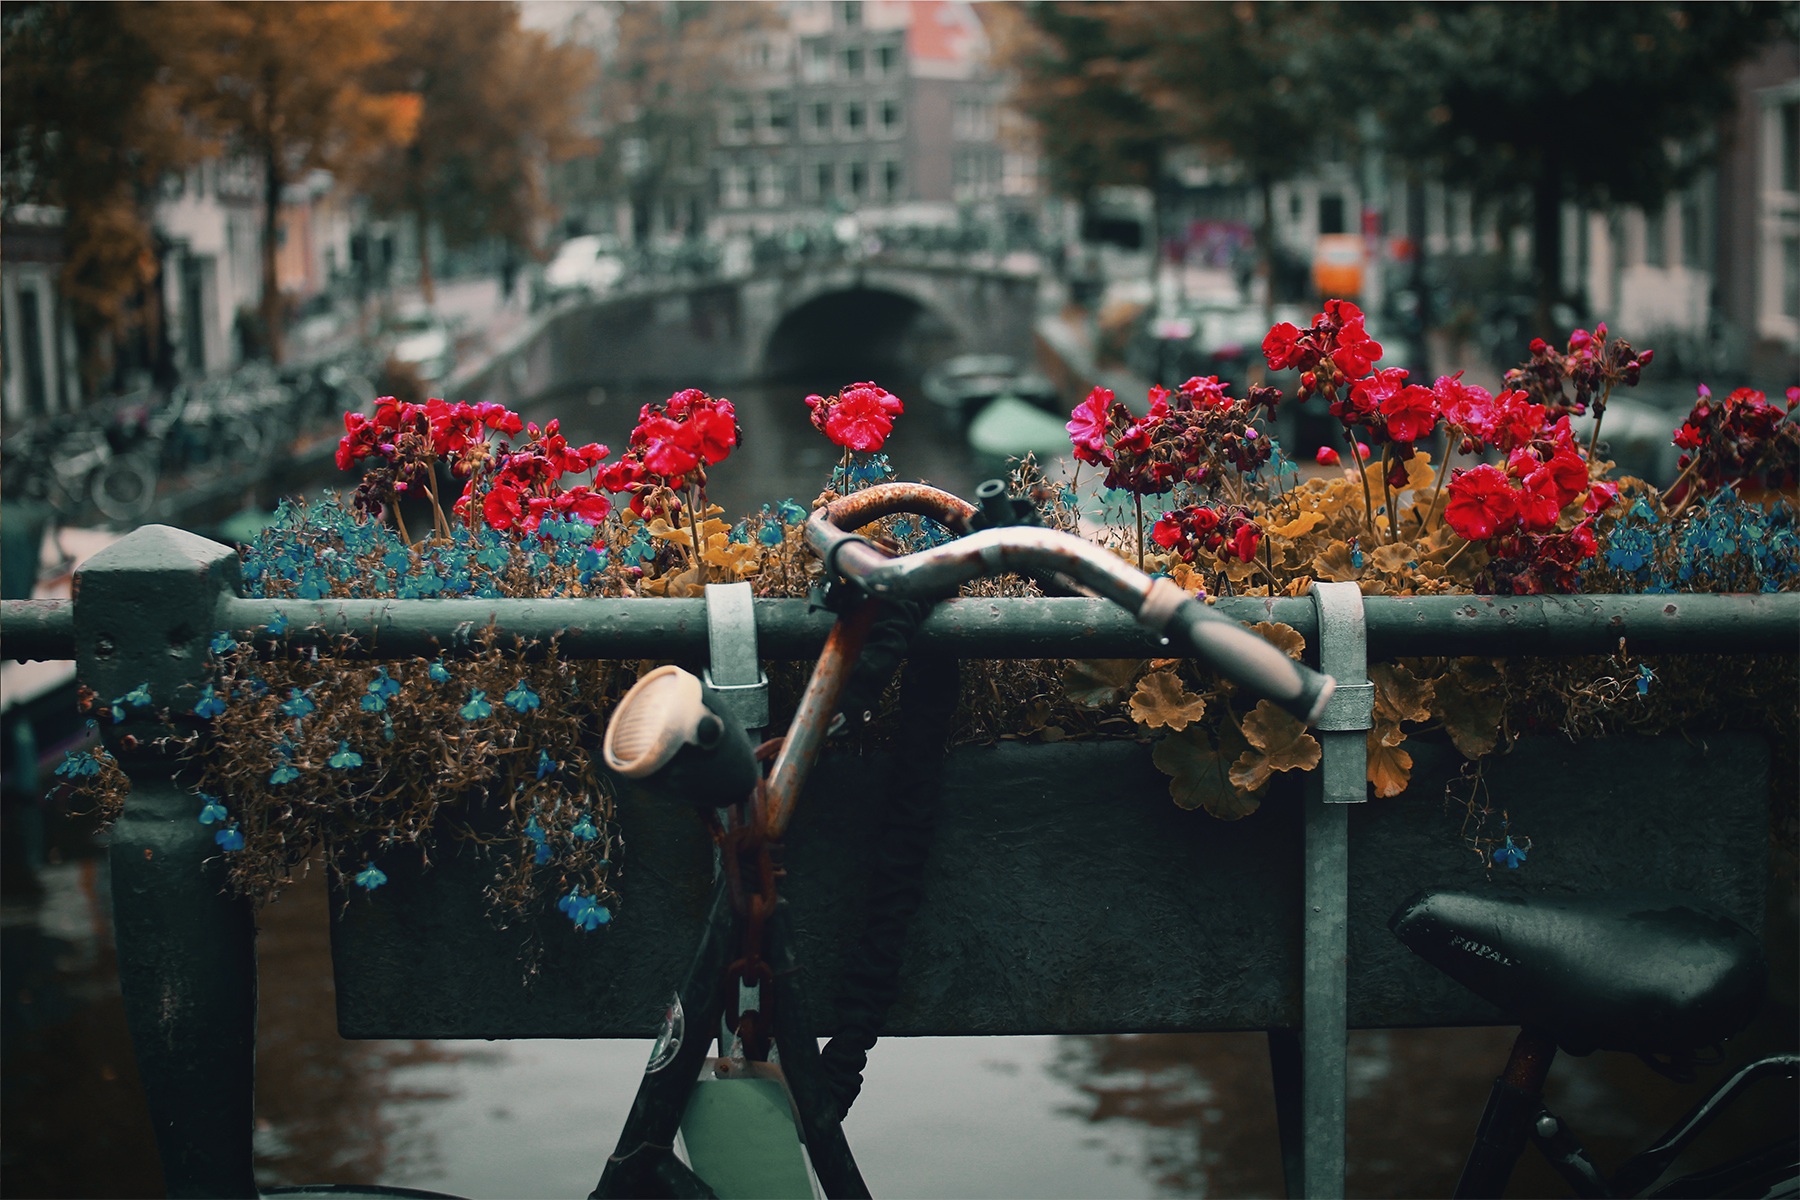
point(271, 286)
point(1546, 240)
point(427, 285)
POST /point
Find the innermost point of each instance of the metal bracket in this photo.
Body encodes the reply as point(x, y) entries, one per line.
point(1325, 918)
point(733, 680)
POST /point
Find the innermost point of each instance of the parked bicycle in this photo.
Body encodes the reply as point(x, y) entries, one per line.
point(742, 986)
point(1655, 974)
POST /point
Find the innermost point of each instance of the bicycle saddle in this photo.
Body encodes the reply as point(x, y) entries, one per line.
point(1651, 973)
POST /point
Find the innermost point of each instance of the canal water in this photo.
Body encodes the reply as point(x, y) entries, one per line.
point(1073, 1116)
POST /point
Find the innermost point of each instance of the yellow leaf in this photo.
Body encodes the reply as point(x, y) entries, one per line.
point(1285, 638)
point(1399, 696)
point(1277, 743)
point(1333, 563)
point(737, 558)
point(1390, 559)
point(1198, 775)
point(1471, 704)
point(1162, 703)
point(1097, 682)
point(1300, 526)
point(1418, 471)
point(1389, 767)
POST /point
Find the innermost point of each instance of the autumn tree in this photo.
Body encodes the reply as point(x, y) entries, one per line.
point(287, 84)
point(1114, 86)
point(497, 102)
point(673, 64)
point(1539, 104)
point(86, 127)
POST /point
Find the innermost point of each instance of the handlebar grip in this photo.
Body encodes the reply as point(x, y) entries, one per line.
point(1245, 658)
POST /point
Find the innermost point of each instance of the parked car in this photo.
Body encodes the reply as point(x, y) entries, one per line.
point(586, 265)
point(965, 384)
point(419, 338)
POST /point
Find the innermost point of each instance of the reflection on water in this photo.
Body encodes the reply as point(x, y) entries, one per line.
point(1116, 1115)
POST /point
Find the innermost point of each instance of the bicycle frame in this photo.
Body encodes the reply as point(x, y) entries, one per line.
point(1516, 1114)
point(644, 1155)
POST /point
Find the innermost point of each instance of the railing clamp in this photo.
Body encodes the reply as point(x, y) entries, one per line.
point(733, 679)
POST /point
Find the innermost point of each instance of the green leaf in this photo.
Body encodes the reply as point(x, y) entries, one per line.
point(1098, 682)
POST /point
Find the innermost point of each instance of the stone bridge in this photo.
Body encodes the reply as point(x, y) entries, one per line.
point(854, 319)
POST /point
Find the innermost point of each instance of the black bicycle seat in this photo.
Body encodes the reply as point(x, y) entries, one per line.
point(1650, 973)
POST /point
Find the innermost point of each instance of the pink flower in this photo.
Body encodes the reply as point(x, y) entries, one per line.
point(1326, 457)
point(1466, 406)
point(1600, 497)
point(1356, 351)
point(1087, 428)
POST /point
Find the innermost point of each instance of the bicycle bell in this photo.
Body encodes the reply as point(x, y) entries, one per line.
point(663, 730)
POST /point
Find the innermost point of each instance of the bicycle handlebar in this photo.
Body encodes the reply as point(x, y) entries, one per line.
point(1159, 604)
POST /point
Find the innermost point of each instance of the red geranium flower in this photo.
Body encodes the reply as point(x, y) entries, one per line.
point(860, 417)
point(1356, 351)
point(1326, 457)
point(1482, 502)
point(1282, 347)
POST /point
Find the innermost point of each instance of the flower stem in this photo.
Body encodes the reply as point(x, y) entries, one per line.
point(1599, 416)
point(399, 521)
point(1362, 472)
point(1466, 544)
point(693, 498)
point(1387, 490)
point(1438, 494)
point(1137, 499)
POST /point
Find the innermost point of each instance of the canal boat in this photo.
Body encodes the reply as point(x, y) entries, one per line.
point(964, 385)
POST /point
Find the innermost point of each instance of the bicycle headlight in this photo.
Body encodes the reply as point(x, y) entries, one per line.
point(663, 729)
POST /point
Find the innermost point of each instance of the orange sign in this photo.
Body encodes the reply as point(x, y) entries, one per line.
point(1338, 265)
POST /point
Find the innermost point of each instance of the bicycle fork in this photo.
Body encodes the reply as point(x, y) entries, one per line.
point(644, 1163)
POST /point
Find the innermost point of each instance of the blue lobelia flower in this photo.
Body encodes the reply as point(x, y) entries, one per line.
point(439, 673)
point(477, 707)
point(771, 533)
point(212, 811)
point(1510, 856)
point(545, 764)
point(313, 584)
point(522, 699)
point(211, 704)
point(229, 838)
point(370, 877)
point(790, 513)
point(593, 558)
point(584, 911)
point(223, 642)
point(1645, 678)
point(344, 758)
point(398, 561)
point(374, 702)
point(285, 773)
point(494, 558)
point(137, 697)
point(584, 829)
point(1629, 548)
point(278, 626)
point(297, 704)
point(77, 766)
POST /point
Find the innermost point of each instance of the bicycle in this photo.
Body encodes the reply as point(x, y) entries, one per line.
point(1656, 974)
point(742, 985)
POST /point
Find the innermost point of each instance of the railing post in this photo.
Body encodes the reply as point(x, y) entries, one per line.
point(145, 611)
point(1340, 780)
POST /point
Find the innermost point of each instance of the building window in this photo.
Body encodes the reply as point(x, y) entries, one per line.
point(859, 180)
point(891, 179)
point(1655, 236)
point(768, 185)
point(887, 59)
point(853, 116)
point(1790, 276)
point(737, 186)
point(1693, 233)
point(890, 116)
point(821, 118)
point(853, 62)
point(778, 118)
point(851, 13)
point(1789, 126)
point(743, 121)
point(825, 175)
point(1331, 213)
point(815, 61)
point(973, 120)
point(31, 345)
